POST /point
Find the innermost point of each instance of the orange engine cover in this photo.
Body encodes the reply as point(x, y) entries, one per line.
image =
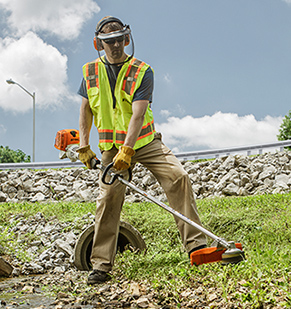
point(66, 137)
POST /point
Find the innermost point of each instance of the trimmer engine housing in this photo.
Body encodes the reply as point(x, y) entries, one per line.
point(67, 141)
point(66, 137)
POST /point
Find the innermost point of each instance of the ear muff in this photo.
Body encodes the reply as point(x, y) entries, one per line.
point(97, 44)
point(127, 40)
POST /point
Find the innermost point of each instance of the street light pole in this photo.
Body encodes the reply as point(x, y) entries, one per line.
point(10, 81)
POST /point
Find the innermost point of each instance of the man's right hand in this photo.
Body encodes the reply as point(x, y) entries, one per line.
point(86, 155)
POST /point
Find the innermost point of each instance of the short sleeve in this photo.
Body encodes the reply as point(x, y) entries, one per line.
point(145, 90)
point(83, 89)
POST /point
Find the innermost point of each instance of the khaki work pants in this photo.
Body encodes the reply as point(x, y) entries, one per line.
point(174, 180)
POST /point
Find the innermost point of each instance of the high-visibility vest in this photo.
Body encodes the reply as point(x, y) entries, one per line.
point(112, 122)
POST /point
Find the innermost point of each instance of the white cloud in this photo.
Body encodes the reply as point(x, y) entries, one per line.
point(63, 18)
point(2, 129)
point(165, 113)
point(38, 67)
point(167, 78)
point(218, 131)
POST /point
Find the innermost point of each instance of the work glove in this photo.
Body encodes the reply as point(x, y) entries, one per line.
point(86, 155)
point(122, 159)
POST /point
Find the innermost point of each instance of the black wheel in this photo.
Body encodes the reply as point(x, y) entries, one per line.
point(128, 238)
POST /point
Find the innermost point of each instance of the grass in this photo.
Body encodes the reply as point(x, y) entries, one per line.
point(261, 223)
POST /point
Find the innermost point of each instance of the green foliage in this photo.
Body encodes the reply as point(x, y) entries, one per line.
point(285, 129)
point(8, 155)
point(63, 211)
point(11, 247)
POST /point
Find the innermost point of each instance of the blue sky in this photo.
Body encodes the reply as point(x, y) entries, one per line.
point(222, 68)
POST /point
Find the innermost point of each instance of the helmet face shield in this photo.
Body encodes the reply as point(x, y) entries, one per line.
point(114, 34)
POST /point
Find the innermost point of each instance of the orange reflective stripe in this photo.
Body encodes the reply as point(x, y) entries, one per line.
point(123, 131)
point(145, 135)
point(127, 73)
point(131, 75)
point(87, 74)
point(92, 78)
point(104, 130)
point(135, 77)
point(146, 130)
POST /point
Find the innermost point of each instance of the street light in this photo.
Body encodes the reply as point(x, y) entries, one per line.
point(12, 82)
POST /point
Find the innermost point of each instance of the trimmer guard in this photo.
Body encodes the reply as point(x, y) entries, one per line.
point(209, 255)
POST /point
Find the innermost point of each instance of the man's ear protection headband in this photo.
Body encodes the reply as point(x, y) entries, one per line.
point(125, 31)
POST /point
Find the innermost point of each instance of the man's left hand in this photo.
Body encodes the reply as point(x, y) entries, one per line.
point(122, 160)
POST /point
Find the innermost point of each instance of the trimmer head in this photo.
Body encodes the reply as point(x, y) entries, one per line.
point(232, 255)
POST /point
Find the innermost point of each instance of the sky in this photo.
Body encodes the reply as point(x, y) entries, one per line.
point(222, 68)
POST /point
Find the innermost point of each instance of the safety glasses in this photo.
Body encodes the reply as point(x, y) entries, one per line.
point(113, 40)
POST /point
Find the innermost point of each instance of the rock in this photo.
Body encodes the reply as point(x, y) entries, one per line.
point(282, 181)
point(60, 269)
point(229, 163)
point(64, 246)
point(148, 180)
point(3, 197)
point(134, 290)
point(16, 272)
point(28, 289)
point(5, 268)
point(266, 173)
point(32, 268)
point(142, 302)
point(231, 189)
point(60, 189)
point(39, 197)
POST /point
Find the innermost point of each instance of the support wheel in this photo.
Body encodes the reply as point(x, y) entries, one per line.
point(128, 238)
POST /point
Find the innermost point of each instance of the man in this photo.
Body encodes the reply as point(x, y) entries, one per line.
point(117, 92)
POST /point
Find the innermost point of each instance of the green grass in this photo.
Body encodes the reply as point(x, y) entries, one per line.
point(261, 223)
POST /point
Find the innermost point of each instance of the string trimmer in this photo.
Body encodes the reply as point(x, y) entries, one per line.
point(226, 252)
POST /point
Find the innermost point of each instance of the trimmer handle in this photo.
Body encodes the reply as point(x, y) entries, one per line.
point(113, 175)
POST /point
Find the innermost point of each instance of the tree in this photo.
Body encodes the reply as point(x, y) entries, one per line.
point(285, 129)
point(11, 156)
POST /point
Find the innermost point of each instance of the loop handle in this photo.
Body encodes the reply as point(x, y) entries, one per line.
point(113, 175)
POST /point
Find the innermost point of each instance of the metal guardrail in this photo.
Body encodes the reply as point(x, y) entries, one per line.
point(211, 153)
point(40, 165)
point(215, 153)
